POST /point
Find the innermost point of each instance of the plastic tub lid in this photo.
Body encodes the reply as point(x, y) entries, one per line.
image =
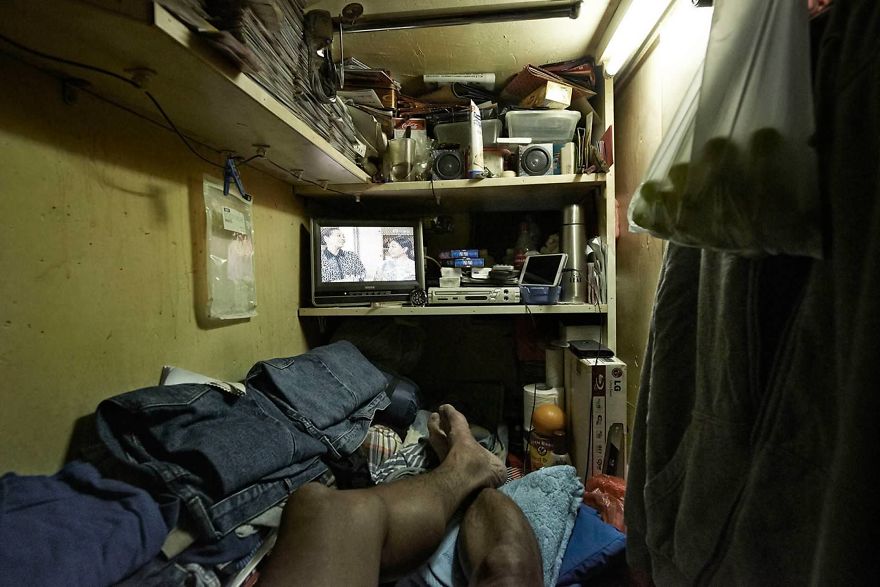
point(460, 132)
point(542, 125)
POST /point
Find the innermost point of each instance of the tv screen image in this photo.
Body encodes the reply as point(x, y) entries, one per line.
point(356, 262)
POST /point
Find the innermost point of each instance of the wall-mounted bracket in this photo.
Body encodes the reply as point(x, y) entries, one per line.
point(70, 89)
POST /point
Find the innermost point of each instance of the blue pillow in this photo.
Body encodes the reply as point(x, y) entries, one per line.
point(592, 544)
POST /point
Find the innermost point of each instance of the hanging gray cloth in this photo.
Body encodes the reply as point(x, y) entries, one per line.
point(756, 426)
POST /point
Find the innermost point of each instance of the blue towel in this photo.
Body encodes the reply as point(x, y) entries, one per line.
point(548, 497)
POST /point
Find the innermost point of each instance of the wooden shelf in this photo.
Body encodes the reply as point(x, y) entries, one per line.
point(499, 309)
point(539, 192)
point(205, 96)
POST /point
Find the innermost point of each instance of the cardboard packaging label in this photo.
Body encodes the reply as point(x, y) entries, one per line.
point(596, 410)
point(549, 95)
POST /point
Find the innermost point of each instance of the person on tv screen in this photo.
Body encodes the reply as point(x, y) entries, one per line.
point(399, 264)
point(338, 264)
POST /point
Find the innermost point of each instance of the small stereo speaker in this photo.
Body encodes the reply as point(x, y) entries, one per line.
point(535, 159)
point(447, 164)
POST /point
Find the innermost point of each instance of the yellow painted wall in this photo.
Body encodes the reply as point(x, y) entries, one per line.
point(645, 103)
point(101, 261)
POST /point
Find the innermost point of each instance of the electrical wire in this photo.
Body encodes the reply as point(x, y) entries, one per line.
point(178, 133)
point(68, 61)
point(165, 116)
point(435, 261)
point(118, 77)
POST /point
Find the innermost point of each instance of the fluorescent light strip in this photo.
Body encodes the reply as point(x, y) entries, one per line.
point(640, 19)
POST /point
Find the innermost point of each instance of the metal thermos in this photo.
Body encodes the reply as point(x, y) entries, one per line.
point(574, 242)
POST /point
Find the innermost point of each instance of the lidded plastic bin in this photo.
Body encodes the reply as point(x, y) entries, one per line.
point(542, 126)
point(460, 132)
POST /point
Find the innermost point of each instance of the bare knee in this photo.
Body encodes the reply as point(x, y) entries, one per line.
point(507, 564)
point(499, 543)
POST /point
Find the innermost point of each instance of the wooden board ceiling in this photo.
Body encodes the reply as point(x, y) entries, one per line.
point(502, 48)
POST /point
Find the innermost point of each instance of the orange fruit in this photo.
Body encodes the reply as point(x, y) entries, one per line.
point(547, 418)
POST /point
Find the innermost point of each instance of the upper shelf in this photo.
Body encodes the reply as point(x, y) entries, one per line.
point(536, 192)
point(206, 97)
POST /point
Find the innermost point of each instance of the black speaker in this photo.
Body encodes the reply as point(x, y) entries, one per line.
point(447, 164)
point(535, 159)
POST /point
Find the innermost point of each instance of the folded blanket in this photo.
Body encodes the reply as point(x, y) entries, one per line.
point(548, 497)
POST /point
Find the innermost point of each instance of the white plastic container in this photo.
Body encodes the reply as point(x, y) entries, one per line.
point(542, 125)
point(460, 132)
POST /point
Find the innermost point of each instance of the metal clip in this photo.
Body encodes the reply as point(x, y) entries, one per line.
point(230, 174)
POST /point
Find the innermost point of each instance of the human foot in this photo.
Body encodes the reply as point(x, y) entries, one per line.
point(453, 432)
point(437, 437)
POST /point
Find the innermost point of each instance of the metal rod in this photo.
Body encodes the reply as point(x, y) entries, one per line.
point(410, 21)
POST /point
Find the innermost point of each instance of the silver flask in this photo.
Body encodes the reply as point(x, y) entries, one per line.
point(574, 242)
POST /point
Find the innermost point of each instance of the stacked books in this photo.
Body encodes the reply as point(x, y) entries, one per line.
point(462, 258)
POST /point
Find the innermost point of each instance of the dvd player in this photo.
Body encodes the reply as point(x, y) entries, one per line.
point(473, 295)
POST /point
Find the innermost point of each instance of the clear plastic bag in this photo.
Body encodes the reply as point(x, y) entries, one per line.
point(230, 253)
point(736, 171)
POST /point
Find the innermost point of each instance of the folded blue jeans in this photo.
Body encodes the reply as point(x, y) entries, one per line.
point(227, 458)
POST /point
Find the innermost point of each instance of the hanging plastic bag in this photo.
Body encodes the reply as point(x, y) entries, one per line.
point(736, 172)
point(230, 253)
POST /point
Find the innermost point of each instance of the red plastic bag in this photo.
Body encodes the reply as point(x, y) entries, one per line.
point(606, 493)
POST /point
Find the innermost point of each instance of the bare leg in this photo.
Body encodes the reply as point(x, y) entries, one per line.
point(497, 543)
point(330, 537)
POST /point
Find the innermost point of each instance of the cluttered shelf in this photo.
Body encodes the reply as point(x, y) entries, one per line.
point(499, 309)
point(207, 97)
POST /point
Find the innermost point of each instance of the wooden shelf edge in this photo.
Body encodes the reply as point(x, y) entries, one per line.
point(465, 310)
point(446, 187)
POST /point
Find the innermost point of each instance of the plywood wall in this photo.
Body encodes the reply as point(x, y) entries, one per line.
point(645, 103)
point(102, 265)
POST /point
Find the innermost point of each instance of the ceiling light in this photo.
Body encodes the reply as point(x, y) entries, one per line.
point(632, 31)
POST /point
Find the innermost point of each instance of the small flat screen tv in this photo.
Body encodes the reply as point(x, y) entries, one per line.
point(358, 262)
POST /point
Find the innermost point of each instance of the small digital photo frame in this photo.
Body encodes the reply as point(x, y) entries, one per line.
point(543, 270)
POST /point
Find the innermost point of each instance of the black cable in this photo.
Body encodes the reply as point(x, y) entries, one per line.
point(69, 62)
point(118, 77)
point(161, 111)
point(178, 133)
point(247, 161)
point(528, 459)
point(433, 193)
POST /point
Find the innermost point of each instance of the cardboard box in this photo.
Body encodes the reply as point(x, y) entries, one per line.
point(549, 95)
point(595, 407)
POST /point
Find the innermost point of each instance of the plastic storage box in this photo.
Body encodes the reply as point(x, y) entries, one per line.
point(460, 132)
point(542, 125)
point(540, 294)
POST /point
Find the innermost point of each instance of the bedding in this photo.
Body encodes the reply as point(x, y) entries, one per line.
point(548, 497)
point(593, 546)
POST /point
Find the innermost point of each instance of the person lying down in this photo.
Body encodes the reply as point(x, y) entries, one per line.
point(354, 537)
